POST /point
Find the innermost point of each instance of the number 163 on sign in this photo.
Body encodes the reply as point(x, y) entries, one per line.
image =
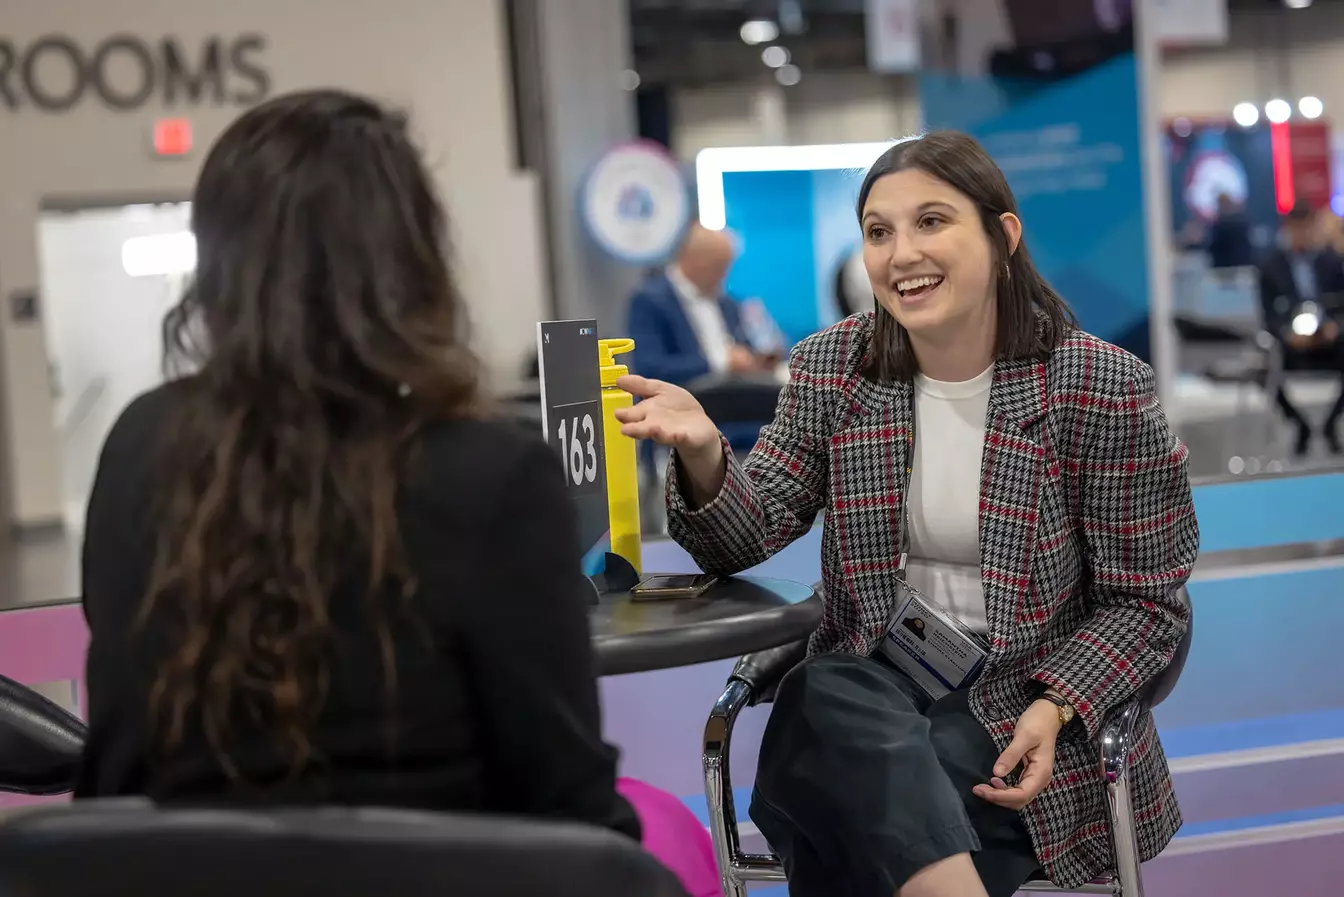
point(578, 447)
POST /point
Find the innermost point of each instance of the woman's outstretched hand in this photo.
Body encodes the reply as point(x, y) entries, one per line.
point(1033, 746)
point(667, 414)
point(670, 416)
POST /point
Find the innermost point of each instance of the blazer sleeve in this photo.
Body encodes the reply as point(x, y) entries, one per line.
point(1141, 541)
point(647, 325)
point(774, 496)
point(530, 660)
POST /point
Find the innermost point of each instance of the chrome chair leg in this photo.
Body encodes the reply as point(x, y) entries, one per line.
point(1117, 741)
point(719, 785)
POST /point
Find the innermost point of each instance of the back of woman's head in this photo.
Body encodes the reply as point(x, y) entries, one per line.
point(321, 331)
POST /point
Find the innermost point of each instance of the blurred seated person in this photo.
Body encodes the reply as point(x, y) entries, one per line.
point(301, 561)
point(1332, 231)
point(1229, 236)
point(1297, 271)
point(853, 291)
point(683, 324)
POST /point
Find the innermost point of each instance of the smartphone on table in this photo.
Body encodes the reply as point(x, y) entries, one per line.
point(664, 586)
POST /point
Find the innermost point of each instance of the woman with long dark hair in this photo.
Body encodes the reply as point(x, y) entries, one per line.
point(314, 570)
point(965, 440)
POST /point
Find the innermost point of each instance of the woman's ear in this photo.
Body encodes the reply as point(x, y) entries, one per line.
point(1012, 229)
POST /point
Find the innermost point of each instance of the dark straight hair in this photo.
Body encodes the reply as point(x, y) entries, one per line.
point(1032, 318)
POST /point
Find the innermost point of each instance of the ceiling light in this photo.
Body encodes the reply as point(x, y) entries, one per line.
point(1297, 4)
point(775, 57)
point(1310, 107)
point(1245, 114)
point(759, 31)
point(788, 75)
point(1278, 111)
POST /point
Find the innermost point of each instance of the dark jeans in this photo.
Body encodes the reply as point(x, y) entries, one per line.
point(862, 782)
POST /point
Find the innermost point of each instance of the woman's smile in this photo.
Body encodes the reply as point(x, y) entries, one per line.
point(917, 290)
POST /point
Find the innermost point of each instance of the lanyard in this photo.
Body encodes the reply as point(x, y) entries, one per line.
point(905, 499)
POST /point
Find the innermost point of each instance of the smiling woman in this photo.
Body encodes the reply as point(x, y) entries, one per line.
point(939, 207)
point(966, 441)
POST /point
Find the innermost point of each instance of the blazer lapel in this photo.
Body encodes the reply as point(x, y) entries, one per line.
point(870, 455)
point(1010, 483)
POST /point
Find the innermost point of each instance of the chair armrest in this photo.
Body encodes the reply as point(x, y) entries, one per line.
point(763, 670)
point(40, 743)
point(1117, 740)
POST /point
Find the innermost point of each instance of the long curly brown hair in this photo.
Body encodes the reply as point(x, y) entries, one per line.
point(322, 329)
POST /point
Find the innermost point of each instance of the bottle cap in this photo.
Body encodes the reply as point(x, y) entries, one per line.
point(607, 349)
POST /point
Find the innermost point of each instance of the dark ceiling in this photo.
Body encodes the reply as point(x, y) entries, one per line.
point(697, 42)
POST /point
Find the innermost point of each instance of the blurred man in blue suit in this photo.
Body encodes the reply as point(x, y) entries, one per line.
point(683, 324)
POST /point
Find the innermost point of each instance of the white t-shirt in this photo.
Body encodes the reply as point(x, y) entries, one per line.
point(944, 561)
point(706, 317)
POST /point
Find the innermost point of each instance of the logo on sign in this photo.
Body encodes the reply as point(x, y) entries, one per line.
point(635, 203)
point(1213, 174)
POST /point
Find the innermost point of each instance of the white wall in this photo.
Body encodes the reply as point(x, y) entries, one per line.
point(1287, 53)
point(446, 60)
point(836, 108)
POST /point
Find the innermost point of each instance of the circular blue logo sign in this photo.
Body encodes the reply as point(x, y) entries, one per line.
point(635, 203)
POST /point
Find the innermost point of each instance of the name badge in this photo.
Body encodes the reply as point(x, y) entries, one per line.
point(932, 647)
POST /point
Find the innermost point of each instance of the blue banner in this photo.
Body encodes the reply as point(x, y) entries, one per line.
point(1054, 98)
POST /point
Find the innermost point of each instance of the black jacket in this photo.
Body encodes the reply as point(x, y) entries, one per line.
point(495, 706)
point(1279, 294)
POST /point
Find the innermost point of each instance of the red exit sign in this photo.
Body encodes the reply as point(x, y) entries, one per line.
point(172, 137)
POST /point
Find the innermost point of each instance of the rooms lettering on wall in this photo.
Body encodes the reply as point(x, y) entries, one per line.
point(55, 73)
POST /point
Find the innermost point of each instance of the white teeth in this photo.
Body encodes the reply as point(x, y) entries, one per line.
point(914, 283)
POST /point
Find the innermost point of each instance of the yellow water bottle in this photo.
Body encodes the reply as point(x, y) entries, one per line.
point(622, 461)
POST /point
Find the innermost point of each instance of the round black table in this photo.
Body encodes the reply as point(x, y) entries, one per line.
point(736, 616)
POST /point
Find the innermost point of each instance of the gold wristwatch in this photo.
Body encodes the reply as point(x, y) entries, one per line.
point(1066, 712)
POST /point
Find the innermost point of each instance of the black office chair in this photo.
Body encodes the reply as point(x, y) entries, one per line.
point(40, 743)
point(131, 848)
point(753, 682)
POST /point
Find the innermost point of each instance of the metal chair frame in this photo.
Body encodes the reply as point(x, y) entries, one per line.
point(1115, 746)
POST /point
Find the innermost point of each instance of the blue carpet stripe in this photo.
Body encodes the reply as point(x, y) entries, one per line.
point(1278, 511)
point(1185, 741)
point(1249, 734)
point(696, 804)
point(1242, 823)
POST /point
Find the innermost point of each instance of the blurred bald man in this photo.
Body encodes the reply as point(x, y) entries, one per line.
point(683, 324)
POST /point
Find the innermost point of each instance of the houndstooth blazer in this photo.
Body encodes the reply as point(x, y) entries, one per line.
point(1087, 528)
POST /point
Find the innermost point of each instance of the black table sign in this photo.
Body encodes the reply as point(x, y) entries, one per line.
point(571, 415)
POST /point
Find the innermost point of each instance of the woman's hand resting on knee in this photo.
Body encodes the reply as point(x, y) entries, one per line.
point(1033, 746)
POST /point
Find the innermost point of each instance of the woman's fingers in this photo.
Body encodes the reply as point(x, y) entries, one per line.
point(640, 386)
point(647, 429)
point(1012, 798)
point(633, 414)
point(1035, 776)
